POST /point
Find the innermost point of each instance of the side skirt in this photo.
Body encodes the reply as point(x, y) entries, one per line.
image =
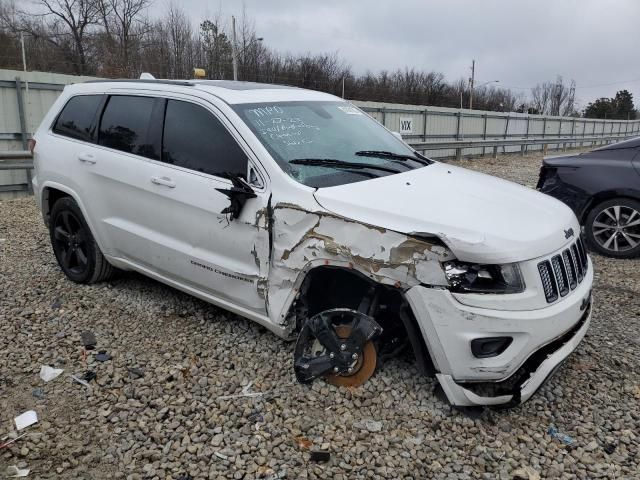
point(219, 302)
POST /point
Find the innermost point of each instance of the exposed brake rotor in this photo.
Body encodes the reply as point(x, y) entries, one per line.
point(363, 367)
point(337, 344)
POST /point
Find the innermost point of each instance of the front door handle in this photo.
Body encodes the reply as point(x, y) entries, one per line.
point(165, 181)
point(87, 158)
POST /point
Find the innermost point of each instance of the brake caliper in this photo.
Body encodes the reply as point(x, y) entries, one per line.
point(337, 344)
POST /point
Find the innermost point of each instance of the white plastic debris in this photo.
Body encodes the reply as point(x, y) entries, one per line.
point(27, 419)
point(245, 393)
point(80, 381)
point(13, 471)
point(10, 438)
point(221, 456)
point(48, 373)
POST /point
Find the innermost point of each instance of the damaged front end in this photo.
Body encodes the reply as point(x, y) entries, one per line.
point(341, 284)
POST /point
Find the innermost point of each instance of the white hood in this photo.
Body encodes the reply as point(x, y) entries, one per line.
point(480, 218)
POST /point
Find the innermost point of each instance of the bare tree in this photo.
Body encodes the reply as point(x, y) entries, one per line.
point(123, 24)
point(65, 24)
point(180, 42)
point(554, 98)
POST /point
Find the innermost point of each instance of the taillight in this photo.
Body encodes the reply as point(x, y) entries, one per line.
point(31, 145)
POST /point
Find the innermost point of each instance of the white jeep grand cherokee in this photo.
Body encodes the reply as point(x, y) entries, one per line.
point(296, 210)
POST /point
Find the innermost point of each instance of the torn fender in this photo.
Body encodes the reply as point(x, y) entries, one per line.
point(304, 239)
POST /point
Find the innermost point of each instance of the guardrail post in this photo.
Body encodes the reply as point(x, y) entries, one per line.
point(23, 125)
point(23, 129)
point(564, 144)
point(484, 132)
point(425, 115)
point(506, 129)
point(573, 129)
point(524, 146)
point(384, 117)
point(459, 135)
point(610, 133)
point(495, 152)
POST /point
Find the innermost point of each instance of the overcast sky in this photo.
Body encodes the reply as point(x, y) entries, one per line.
point(519, 42)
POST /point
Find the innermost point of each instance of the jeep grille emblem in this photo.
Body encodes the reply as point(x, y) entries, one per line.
point(568, 233)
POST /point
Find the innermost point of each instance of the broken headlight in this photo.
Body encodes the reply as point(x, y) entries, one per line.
point(477, 278)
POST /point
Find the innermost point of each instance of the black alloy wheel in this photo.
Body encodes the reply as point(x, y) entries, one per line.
point(73, 244)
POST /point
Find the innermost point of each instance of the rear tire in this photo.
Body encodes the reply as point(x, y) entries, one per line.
point(612, 228)
point(73, 244)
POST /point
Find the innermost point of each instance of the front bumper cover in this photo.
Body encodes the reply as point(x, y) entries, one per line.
point(520, 386)
point(542, 340)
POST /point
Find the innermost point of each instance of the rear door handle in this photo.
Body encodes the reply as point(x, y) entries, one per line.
point(87, 158)
point(165, 181)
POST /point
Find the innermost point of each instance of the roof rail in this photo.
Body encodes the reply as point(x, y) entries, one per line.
point(137, 80)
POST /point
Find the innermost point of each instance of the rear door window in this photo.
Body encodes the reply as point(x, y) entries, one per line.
point(193, 138)
point(77, 117)
point(126, 125)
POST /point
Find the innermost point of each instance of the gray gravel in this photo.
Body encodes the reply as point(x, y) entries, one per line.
point(154, 411)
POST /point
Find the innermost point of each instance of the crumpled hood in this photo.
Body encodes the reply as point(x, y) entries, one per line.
point(479, 217)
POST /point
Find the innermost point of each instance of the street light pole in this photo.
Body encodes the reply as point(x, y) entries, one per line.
point(234, 50)
point(24, 56)
point(471, 80)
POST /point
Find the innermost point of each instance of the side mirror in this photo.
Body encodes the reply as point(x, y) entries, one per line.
point(238, 195)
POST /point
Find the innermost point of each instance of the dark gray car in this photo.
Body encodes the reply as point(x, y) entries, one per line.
point(603, 189)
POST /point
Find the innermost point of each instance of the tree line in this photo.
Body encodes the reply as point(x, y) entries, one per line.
point(118, 38)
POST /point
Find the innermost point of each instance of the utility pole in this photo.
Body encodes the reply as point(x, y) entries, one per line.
point(24, 56)
point(234, 50)
point(471, 81)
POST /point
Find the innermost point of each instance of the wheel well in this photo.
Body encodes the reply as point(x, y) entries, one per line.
point(50, 197)
point(598, 198)
point(335, 287)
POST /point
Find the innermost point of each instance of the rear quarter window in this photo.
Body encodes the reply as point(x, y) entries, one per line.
point(76, 120)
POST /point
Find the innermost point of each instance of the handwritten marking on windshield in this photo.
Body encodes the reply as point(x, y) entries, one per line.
point(288, 130)
point(266, 111)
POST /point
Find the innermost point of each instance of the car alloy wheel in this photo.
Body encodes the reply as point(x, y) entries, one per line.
point(617, 228)
point(70, 242)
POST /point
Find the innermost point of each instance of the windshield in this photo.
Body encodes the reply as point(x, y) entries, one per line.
point(322, 144)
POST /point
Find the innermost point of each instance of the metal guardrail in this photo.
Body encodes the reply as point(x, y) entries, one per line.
point(523, 142)
point(22, 160)
point(18, 160)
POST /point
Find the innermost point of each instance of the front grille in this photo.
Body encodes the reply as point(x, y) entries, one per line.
point(564, 272)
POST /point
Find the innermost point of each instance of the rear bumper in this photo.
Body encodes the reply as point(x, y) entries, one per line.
point(542, 340)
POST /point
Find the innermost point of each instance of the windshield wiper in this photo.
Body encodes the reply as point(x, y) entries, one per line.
point(394, 156)
point(330, 162)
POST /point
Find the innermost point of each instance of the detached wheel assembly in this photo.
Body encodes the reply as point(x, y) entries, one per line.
point(337, 345)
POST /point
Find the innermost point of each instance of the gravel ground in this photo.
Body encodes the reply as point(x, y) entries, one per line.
point(154, 410)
